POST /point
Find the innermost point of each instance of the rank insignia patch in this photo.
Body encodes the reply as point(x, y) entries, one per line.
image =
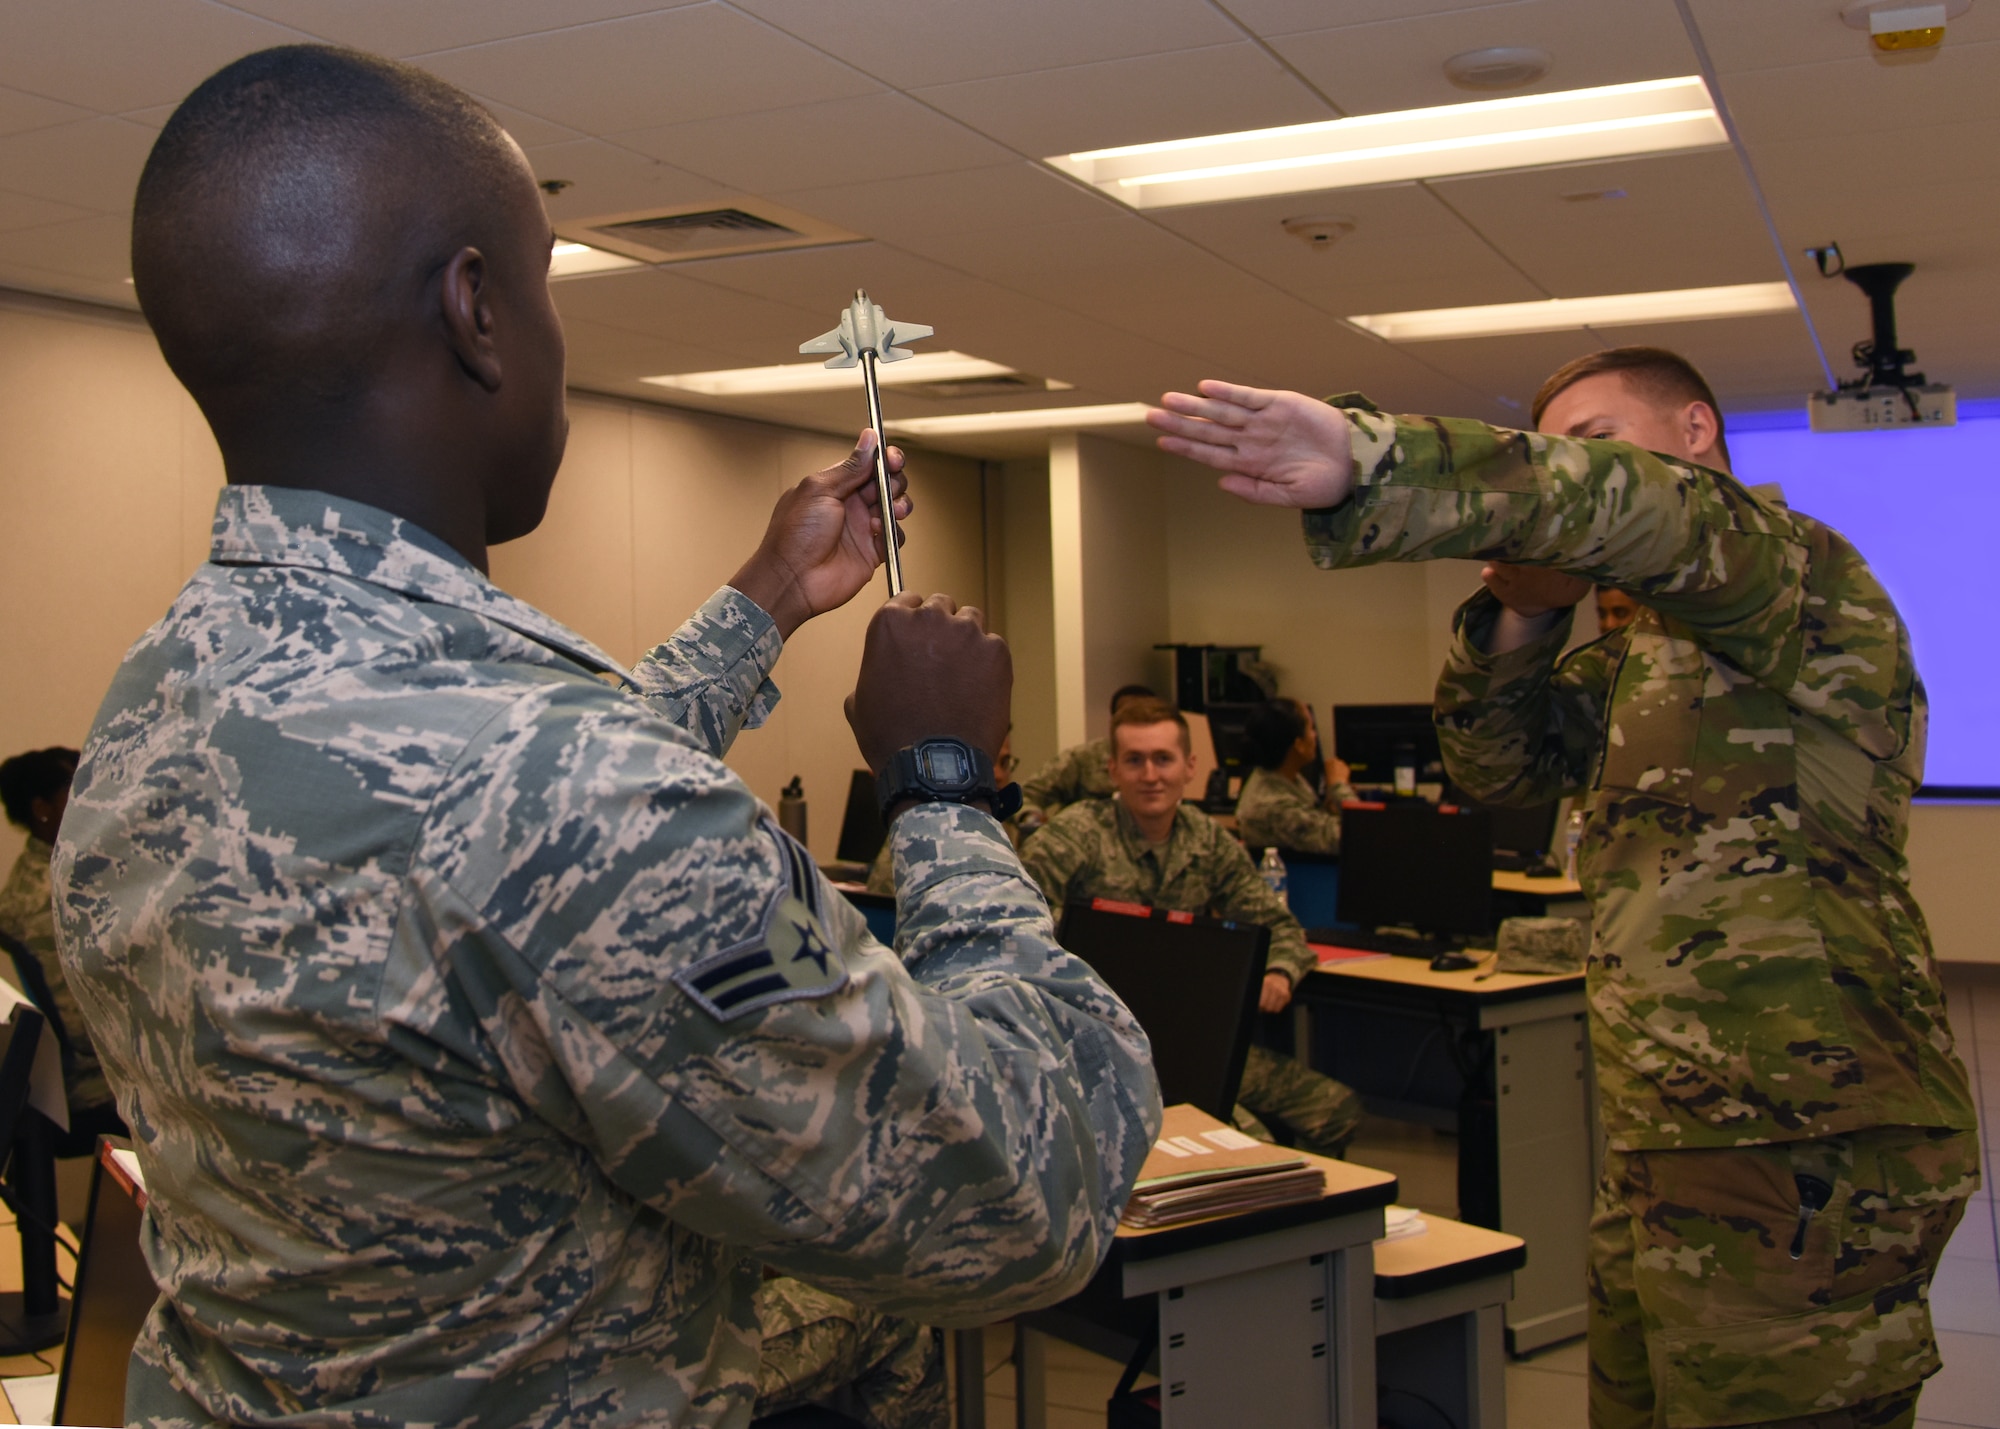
point(792, 957)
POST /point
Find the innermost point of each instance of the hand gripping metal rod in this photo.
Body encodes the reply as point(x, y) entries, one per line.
point(866, 336)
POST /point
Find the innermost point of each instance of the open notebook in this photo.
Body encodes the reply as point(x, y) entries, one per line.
point(1199, 1167)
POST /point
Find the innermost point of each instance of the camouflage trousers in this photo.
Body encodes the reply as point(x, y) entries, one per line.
point(1701, 1315)
point(819, 1347)
point(1320, 1113)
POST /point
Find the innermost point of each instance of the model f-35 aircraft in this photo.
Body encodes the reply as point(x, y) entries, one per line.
point(866, 335)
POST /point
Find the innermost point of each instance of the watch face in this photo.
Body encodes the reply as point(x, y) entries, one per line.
point(945, 766)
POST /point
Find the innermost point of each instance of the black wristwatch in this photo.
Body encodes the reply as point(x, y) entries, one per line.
point(947, 771)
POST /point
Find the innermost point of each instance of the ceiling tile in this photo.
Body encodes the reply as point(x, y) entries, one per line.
point(1001, 196)
point(598, 350)
point(606, 179)
point(870, 136)
point(1399, 64)
point(97, 247)
point(1288, 17)
point(1407, 250)
point(23, 211)
point(659, 303)
point(1132, 101)
point(664, 68)
point(398, 27)
point(20, 112)
point(920, 42)
point(94, 164)
point(1829, 102)
point(1687, 221)
point(528, 129)
point(109, 55)
point(1774, 34)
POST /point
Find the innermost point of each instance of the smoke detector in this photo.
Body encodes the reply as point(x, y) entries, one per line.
point(1319, 232)
point(1497, 67)
point(1898, 26)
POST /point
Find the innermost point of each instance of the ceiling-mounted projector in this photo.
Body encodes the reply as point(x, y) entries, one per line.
point(1886, 395)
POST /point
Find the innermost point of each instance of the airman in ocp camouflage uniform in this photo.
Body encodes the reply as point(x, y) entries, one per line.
point(483, 1038)
point(1282, 811)
point(1083, 771)
point(1069, 777)
point(1791, 1131)
point(1097, 850)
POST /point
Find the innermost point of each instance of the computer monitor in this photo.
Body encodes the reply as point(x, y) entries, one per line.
point(1411, 866)
point(114, 1294)
point(1522, 838)
point(1191, 982)
point(1370, 737)
point(862, 832)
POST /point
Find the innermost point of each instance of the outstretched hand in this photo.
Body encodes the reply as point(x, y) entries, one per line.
point(824, 541)
point(1274, 448)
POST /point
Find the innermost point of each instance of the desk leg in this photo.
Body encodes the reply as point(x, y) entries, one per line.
point(1302, 1032)
point(968, 1354)
point(1031, 1378)
point(1351, 1293)
point(1486, 1375)
point(1543, 1136)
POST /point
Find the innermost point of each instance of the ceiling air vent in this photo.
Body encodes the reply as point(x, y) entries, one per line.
point(705, 230)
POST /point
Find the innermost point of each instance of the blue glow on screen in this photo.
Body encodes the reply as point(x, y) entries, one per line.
point(1923, 507)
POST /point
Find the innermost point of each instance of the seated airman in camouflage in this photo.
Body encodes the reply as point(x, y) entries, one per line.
point(1144, 845)
point(1073, 775)
point(1278, 808)
point(486, 1044)
point(1791, 1132)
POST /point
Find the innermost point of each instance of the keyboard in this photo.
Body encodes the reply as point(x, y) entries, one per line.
point(1384, 940)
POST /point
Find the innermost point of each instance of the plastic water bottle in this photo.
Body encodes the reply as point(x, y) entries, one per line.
point(1572, 840)
point(1273, 870)
point(792, 809)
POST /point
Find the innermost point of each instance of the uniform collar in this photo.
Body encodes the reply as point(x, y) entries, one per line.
point(1135, 840)
point(287, 526)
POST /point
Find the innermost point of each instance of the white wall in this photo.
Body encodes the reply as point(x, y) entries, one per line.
point(108, 478)
point(107, 483)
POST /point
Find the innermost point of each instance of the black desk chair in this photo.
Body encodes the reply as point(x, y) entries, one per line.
point(1191, 982)
point(34, 1317)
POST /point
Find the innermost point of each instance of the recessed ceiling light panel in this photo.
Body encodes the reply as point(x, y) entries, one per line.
point(1045, 419)
point(1565, 314)
point(1524, 131)
point(924, 367)
point(580, 260)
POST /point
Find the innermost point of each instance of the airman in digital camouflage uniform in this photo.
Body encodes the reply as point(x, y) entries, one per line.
point(1145, 845)
point(484, 1041)
point(1791, 1131)
point(1080, 772)
point(1277, 808)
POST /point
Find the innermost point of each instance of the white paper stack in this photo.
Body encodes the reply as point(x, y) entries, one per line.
point(1199, 1168)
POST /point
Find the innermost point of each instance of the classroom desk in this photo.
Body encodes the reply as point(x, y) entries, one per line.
point(1264, 1318)
point(1514, 1082)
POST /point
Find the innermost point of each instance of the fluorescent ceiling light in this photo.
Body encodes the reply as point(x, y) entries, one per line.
point(1522, 131)
point(1042, 419)
point(575, 260)
point(1561, 314)
point(816, 377)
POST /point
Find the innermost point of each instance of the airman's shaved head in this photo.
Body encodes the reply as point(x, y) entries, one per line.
point(262, 249)
point(345, 260)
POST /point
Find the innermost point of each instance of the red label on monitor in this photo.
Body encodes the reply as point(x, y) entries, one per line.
point(1130, 910)
point(1176, 917)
